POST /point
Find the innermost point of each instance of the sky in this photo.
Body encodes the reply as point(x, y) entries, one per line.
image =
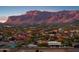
point(18, 10)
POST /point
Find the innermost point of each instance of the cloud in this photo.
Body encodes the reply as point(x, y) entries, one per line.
point(3, 19)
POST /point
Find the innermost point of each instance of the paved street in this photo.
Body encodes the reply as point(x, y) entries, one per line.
point(42, 50)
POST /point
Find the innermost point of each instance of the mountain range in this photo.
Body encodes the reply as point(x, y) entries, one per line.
point(44, 17)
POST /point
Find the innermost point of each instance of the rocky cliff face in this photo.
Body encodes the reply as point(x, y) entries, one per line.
point(44, 17)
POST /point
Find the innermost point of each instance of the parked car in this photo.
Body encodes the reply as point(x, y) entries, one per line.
point(32, 46)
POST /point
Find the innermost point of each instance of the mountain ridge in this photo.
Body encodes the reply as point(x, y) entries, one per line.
point(44, 17)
